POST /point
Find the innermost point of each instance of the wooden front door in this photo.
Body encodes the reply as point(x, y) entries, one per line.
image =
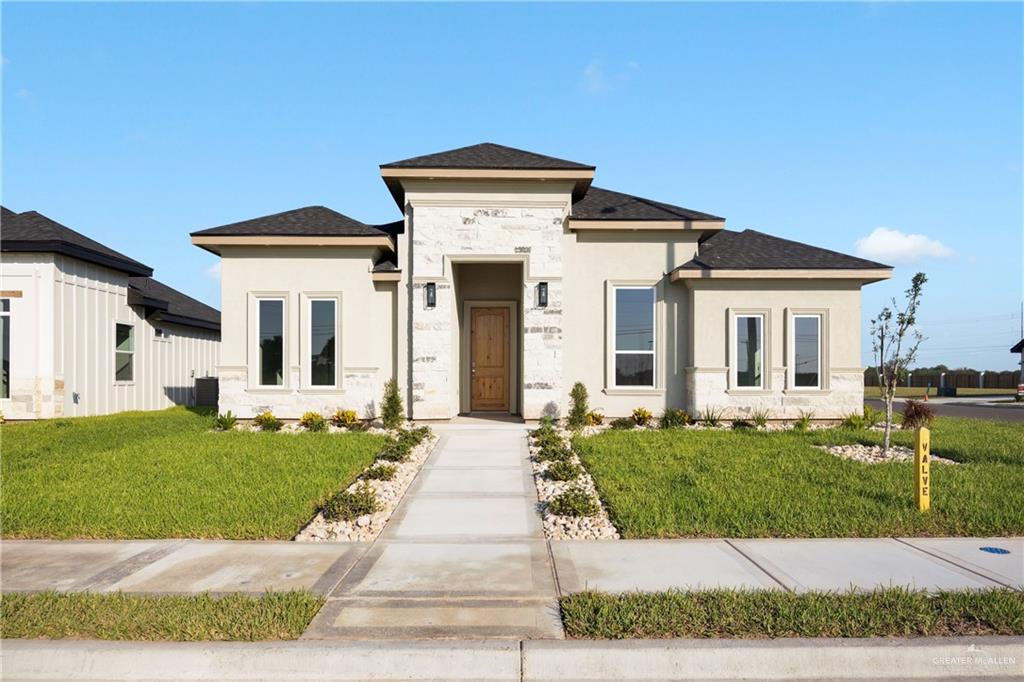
point(488, 357)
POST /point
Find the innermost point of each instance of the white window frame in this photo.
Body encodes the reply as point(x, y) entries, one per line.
point(306, 334)
point(823, 359)
point(612, 382)
point(132, 352)
point(256, 365)
point(733, 360)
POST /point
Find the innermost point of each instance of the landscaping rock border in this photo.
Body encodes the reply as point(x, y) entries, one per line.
point(366, 528)
point(872, 454)
point(558, 527)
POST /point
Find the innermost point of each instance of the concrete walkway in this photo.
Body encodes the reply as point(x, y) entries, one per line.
point(463, 556)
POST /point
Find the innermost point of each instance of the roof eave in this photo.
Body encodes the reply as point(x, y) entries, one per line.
point(393, 177)
point(189, 321)
point(864, 275)
point(214, 242)
point(75, 251)
point(679, 224)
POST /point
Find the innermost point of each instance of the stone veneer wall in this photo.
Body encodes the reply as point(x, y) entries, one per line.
point(531, 233)
point(708, 388)
point(362, 393)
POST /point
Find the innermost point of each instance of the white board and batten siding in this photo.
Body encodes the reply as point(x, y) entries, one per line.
point(72, 372)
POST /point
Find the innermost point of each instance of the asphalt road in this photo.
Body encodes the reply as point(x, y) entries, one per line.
point(1007, 413)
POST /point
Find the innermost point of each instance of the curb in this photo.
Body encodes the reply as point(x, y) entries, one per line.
point(924, 658)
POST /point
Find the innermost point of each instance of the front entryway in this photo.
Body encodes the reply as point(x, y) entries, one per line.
point(489, 359)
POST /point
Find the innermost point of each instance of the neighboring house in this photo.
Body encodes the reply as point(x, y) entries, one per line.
point(510, 278)
point(85, 330)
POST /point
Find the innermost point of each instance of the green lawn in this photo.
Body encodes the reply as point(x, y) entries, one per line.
point(702, 483)
point(165, 474)
point(274, 615)
point(893, 612)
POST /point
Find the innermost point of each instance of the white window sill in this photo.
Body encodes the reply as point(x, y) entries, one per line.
point(321, 390)
point(807, 391)
point(633, 390)
point(269, 390)
point(749, 391)
point(124, 383)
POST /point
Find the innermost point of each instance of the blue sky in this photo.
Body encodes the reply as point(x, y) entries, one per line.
point(137, 124)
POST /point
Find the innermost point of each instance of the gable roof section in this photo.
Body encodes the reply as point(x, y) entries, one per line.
point(318, 221)
point(171, 304)
point(488, 156)
point(755, 251)
point(1018, 348)
point(33, 232)
point(604, 204)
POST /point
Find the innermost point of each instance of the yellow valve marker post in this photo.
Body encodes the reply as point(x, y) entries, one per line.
point(922, 469)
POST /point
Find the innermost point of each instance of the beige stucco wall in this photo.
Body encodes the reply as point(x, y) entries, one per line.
point(367, 327)
point(62, 343)
point(595, 261)
point(708, 376)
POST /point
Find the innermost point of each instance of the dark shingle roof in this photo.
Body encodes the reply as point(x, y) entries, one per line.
point(1018, 347)
point(32, 231)
point(752, 250)
point(604, 204)
point(386, 264)
point(488, 155)
point(313, 221)
point(174, 305)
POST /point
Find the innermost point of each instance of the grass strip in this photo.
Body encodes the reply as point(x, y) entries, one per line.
point(190, 618)
point(737, 614)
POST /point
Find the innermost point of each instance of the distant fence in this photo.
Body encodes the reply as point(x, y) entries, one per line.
point(953, 379)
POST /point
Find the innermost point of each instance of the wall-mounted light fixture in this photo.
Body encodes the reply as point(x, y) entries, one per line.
point(431, 294)
point(542, 295)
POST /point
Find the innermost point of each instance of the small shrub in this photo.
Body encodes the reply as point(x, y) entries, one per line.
point(579, 406)
point(739, 424)
point(547, 438)
point(675, 419)
point(313, 421)
point(225, 422)
point(563, 471)
point(381, 472)
point(554, 453)
point(759, 417)
point(854, 422)
point(594, 418)
point(547, 421)
point(392, 413)
point(574, 502)
point(916, 414)
point(642, 416)
point(395, 451)
point(803, 422)
point(349, 505)
point(711, 416)
point(872, 417)
point(622, 423)
point(345, 418)
point(266, 421)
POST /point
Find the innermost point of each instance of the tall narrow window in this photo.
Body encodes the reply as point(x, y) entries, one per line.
point(5, 347)
point(124, 352)
point(807, 351)
point(634, 336)
point(271, 325)
point(750, 351)
point(323, 325)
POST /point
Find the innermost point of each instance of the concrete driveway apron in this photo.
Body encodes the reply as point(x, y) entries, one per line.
point(463, 556)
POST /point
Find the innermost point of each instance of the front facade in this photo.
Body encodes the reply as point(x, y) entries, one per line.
point(85, 330)
point(508, 279)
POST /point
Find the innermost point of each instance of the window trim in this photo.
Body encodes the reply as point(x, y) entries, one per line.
point(306, 336)
point(132, 352)
point(611, 385)
point(254, 341)
point(6, 314)
point(823, 356)
point(733, 345)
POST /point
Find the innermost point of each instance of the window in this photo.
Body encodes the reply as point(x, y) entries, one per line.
point(271, 352)
point(124, 352)
point(750, 351)
point(807, 351)
point(323, 326)
point(5, 348)
point(634, 336)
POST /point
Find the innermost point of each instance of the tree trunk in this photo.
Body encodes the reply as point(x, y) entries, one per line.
point(888, 421)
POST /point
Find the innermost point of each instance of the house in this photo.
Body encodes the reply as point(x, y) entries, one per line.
point(86, 330)
point(509, 278)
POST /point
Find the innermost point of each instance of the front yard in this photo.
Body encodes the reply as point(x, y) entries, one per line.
point(166, 474)
point(746, 483)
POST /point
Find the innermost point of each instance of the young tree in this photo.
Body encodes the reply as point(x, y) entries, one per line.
point(579, 406)
point(895, 340)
